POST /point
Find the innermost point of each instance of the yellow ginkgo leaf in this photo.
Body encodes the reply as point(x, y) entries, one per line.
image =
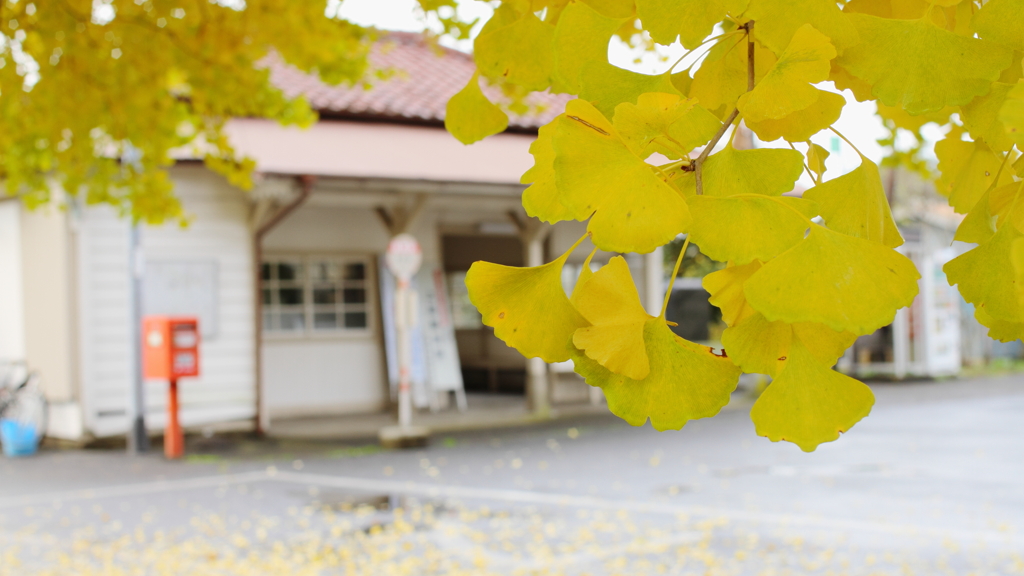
point(809, 404)
point(816, 157)
point(1001, 21)
point(787, 87)
point(981, 117)
point(470, 116)
point(541, 199)
point(759, 346)
point(843, 80)
point(976, 227)
point(776, 24)
point(985, 276)
point(1012, 114)
point(919, 66)
point(902, 119)
point(722, 76)
point(746, 227)
point(845, 282)
point(968, 170)
point(1002, 330)
point(612, 8)
point(665, 123)
point(689, 20)
point(767, 171)
point(520, 52)
point(615, 338)
point(581, 36)
point(855, 204)
point(802, 124)
point(726, 289)
point(527, 307)
point(633, 210)
point(607, 86)
point(686, 381)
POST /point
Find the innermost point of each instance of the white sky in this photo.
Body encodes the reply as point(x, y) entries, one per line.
point(858, 122)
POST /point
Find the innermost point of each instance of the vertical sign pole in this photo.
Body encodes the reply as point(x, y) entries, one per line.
point(174, 439)
point(404, 354)
point(138, 441)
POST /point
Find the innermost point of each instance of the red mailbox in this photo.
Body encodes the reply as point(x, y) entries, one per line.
point(170, 350)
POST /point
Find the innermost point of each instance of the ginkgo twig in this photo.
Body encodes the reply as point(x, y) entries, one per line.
point(672, 278)
point(806, 167)
point(694, 49)
point(847, 140)
point(698, 164)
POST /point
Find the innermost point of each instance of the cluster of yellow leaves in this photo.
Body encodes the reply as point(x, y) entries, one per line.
point(632, 156)
point(97, 101)
point(805, 276)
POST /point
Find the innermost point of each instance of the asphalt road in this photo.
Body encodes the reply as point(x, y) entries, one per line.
point(931, 483)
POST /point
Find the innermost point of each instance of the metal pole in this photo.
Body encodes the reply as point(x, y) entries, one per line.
point(138, 441)
point(402, 314)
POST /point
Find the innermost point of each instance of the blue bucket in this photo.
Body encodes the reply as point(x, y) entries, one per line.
point(18, 439)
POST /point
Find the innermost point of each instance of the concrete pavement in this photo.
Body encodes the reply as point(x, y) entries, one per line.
point(931, 483)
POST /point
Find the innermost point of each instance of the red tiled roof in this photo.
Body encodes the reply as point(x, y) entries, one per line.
point(424, 77)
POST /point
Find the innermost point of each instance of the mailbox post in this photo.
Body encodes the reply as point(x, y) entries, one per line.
point(171, 351)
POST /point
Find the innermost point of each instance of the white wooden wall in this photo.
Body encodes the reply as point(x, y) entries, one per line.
point(12, 321)
point(219, 231)
point(324, 374)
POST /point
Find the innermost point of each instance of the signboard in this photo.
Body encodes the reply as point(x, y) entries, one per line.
point(403, 257)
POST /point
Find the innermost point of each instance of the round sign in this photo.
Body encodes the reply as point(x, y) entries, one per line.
point(404, 256)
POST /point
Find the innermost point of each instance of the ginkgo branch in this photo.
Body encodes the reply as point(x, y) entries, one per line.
point(698, 164)
point(847, 140)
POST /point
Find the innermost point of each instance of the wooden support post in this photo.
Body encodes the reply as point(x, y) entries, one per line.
point(174, 438)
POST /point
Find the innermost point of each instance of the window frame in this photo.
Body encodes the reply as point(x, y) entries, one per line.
point(309, 307)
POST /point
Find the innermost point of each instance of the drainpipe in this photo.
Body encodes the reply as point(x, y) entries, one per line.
point(305, 188)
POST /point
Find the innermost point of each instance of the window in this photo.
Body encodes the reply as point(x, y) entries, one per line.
point(315, 294)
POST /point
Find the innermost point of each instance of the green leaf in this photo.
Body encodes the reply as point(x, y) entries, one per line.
point(520, 53)
point(981, 117)
point(759, 346)
point(845, 282)
point(722, 76)
point(689, 20)
point(799, 126)
point(615, 338)
point(726, 289)
point(471, 117)
point(1001, 21)
point(527, 307)
point(748, 227)
point(767, 171)
point(664, 123)
point(919, 66)
point(968, 170)
point(855, 204)
point(787, 87)
point(596, 173)
point(777, 23)
point(816, 156)
point(985, 276)
point(541, 199)
point(1012, 114)
point(809, 404)
point(581, 37)
point(686, 381)
point(607, 86)
point(976, 227)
